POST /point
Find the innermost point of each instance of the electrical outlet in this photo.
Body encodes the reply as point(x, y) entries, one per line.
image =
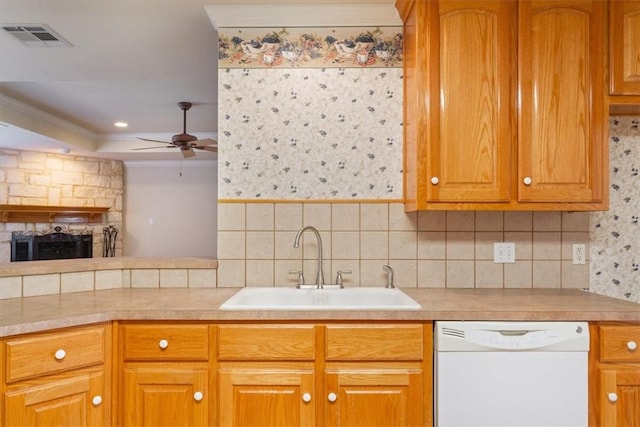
point(579, 253)
point(504, 252)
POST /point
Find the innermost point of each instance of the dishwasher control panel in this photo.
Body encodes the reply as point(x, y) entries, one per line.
point(496, 336)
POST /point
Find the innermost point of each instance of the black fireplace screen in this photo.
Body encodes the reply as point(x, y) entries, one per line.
point(58, 243)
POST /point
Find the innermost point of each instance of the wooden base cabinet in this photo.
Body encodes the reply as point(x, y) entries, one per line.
point(615, 375)
point(325, 374)
point(164, 375)
point(58, 378)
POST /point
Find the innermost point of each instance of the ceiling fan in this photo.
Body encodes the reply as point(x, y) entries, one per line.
point(185, 142)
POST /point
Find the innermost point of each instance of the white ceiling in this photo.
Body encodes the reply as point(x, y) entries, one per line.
point(130, 60)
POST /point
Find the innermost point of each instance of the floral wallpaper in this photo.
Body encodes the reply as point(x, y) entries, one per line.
point(310, 47)
point(615, 234)
point(305, 133)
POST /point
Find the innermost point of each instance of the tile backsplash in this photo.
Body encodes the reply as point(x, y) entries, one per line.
point(426, 249)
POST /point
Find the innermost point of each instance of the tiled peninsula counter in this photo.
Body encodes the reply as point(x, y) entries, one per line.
point(31, 314)
point(33, 278)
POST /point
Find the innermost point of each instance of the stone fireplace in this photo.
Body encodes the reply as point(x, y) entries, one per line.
point(59, 243)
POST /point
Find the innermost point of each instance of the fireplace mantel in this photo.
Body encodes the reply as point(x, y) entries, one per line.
point(61, 214)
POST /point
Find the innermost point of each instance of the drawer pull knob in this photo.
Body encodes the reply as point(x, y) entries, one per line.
point(631, 345)
point(60, 354)
point(612, 397)
point(527, 180)
point(97, 400)
point(435, 180)
point(306, 397)
point(197, 396)
point(163, 344)
point(332, 397)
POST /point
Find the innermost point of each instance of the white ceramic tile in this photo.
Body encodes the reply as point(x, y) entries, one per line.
point(575, 276)
point(260, 245)
point(345, 217)
point(10, 287)
point(547, 221)
point(568, 239)
point(108, 279)
point(76, 282)
point(202, 278)
point(284, 249)
point(40, 284)
point(518, 275)
point(432, 245)
point(460, 245)
point(317, 215)
point(489, 221)
point(231, 273)
point(460, 274)
point(489, 274)
point(231, 216)
point(432, 274)
point(174, 278)
point(350, 280)
point(460, 221)
point(403, 245)
point(260, 273)
point(285, 272)
point(260, 216)
point(399, 220)
point(576, 221)
point(432, 220)
point(374, 245)
point(371, 273)
point(345, 245)
point(145, 278)
point(405, 273)
point(518, 221)
point(374, 216)
point(288, 216)
point(546, 274)
point(485, 244)
point(546, 246)
point(231, 245)
point(523, 241)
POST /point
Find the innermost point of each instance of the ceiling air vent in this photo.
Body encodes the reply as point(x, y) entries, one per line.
point(35, 35)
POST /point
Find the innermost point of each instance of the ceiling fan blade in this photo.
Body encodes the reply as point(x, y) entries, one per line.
point(187, 153)
point(211, 148)
point(153, 140)
point(153, 148)
point(206, 141)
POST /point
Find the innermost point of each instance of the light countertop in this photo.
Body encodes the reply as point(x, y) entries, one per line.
point(32, 314)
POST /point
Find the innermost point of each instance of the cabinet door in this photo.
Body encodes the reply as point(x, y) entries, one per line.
point(472, 129)
point(164, 395)
point(267, 396)
point(624, 47)
point(373, 396)
point(562, 120)
point(66, 400)
point(620, 399)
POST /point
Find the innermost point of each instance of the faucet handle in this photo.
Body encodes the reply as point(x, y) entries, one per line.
point(339, 277)
point(300, 277)
point(389, 272)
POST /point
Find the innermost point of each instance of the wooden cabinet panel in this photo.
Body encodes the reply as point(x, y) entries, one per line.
point(374, 342)
point(624, 47)
point(266, 342)
point(620, 397)
point(562, 118)
point(363, 395)
point(76, 399)
point(166, 395)
point(42, 354)
point(268, 396)
point(165, 342)
point(620, 343)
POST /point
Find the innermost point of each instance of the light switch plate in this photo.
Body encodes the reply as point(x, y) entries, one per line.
point(504, 252)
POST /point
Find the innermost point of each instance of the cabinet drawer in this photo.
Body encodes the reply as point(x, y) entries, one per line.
point(374, 342)
point(266, 342)
point(165, 342)
point(620, 343)
point(43, 354)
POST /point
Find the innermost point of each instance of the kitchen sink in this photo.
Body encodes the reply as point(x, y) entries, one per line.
point(283, 298)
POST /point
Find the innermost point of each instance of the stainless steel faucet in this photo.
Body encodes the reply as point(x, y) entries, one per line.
point(296, 244)
point(389, 272)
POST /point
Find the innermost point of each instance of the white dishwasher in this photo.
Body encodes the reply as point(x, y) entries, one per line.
point(508, 374)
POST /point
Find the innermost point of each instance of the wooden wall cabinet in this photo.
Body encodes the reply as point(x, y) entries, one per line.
point(624, 57)
point(165, 375)
point(504, 105)
point(615, 375)
point(58, 378)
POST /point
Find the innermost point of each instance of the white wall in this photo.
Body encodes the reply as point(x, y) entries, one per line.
point(170, 208)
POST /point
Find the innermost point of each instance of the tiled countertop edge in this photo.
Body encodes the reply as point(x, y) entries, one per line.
point(96, 264)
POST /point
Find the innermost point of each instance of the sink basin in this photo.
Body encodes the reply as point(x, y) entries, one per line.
point(363, 298)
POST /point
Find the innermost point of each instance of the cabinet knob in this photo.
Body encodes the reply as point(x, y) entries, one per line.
point(631, 345)
point(332, 397)
point(163, 344)
point(435, 180)
point(96, 401)
point(527, 180)
point(612, 397)
point(197, 396)
point(60, 354)
point(306, 397)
